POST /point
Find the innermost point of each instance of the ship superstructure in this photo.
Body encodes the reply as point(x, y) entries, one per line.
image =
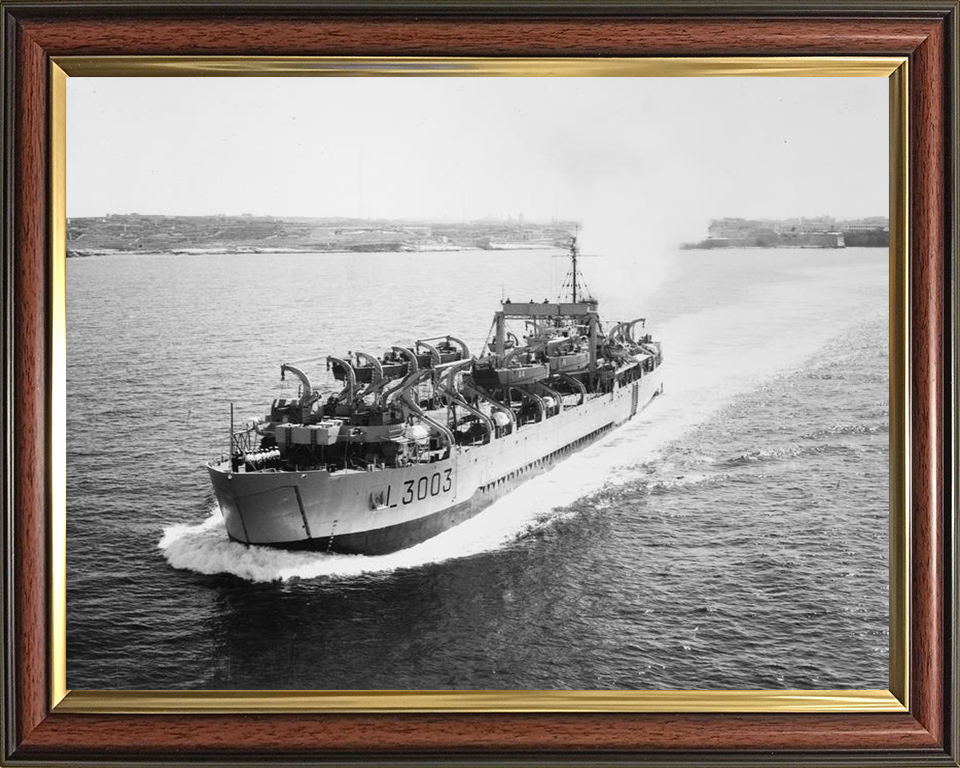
point(426, 435)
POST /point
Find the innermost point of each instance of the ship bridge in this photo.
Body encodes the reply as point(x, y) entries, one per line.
point(549, 309)
point(581, 309)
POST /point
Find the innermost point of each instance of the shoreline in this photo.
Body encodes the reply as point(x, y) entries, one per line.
point(701, 247)
point(250, 250)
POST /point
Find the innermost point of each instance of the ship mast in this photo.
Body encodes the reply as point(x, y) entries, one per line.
point(578, 289)
point(574, 252)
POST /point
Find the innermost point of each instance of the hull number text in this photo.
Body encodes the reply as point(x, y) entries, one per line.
point(428, 485)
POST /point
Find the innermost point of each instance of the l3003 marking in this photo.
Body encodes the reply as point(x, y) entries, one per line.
point(428, 485)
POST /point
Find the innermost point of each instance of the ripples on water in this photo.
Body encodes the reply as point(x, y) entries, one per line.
point(733, 536)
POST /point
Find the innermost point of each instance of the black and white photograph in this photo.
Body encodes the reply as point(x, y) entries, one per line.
point(477, 383)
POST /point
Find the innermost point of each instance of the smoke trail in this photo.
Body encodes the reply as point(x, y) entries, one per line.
point(624, 228)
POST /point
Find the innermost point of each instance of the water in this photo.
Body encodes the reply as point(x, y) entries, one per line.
point(732, 536)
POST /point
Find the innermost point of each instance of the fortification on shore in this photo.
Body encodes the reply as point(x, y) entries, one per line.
point(819, 232)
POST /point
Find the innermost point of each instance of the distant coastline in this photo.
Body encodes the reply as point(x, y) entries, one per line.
point(245, 234)
point(820, 232)
point(136, 233)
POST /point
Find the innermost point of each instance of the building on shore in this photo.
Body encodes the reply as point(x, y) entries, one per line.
point(817, 232)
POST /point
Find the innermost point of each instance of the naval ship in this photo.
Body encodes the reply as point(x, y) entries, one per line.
point(425, 436)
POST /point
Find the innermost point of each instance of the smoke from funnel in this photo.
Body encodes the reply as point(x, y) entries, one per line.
point(623, 228)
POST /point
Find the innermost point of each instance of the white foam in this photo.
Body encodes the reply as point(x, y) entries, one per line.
point(711, 357)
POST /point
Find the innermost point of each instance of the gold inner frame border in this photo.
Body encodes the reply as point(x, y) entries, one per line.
point(895, 69)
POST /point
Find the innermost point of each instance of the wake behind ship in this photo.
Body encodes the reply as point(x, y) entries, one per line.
point(426, 436)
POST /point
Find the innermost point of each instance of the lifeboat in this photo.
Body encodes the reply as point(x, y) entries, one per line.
point(365, 373)
point(339, 372)
point(615, 351)
point(569, 362)
point(450, 355)
point(449, 350)
point(510, 376)
point(368, 369)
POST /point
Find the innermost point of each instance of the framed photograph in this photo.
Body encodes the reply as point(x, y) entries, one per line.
point(432, 383)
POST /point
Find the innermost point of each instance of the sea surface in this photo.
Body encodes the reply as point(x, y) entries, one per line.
point(733, 535)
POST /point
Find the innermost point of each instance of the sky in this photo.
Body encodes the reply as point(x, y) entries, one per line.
point(662, 154)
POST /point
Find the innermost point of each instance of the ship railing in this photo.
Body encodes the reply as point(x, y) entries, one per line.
point(244, 440)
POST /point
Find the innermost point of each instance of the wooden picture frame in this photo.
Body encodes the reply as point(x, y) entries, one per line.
point(40, 727)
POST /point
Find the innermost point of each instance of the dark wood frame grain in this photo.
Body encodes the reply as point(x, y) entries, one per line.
point(926, 32)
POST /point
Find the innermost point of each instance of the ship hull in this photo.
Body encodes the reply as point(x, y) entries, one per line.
point(385, 510)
